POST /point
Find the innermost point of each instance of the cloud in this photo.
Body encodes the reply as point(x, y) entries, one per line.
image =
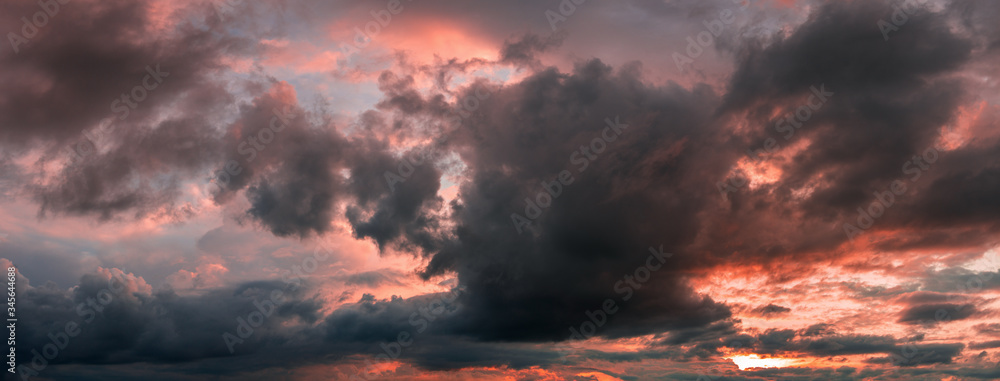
point(139, 324)
point(985, 345)
point(374, 278)
point(936, 313)
point(644, 156)
point(524, 136)
point(850, 344)
point(923, 354)
point(85, 58)
point(771, 309)
point(522, 52)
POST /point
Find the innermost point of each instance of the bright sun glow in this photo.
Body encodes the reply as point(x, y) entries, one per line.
point(754, 361)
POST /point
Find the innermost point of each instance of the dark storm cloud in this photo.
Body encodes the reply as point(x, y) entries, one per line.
point(890, 100)
point(298, 201)
point(839, 45)
point(397, 193)
point(292, 170)
point(838, 345)
point(156, 327)
point(186, 331)
point(777, 341)
point(652, 185)
point(395, 197)
point(177, 335)
point(61, 85)
point(915, 355)
point(131, 177)
point(287, 166)
point(966, 195)
point(86, 57)
point(899, 353)
point(936, 313)
point(529, 286)
point(292, 182)
point(370, 320)
point(447, 353)
point(774, 339)
point(163, 327)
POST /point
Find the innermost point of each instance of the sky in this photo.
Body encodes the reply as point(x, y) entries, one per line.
point(501, 190)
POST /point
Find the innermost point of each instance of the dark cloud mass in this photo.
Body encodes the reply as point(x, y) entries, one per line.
point(138, 325)
point(566, 181)
point(60, 87)
point(936, 313)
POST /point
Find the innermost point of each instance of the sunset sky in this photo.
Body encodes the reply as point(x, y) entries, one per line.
point(502, 190)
